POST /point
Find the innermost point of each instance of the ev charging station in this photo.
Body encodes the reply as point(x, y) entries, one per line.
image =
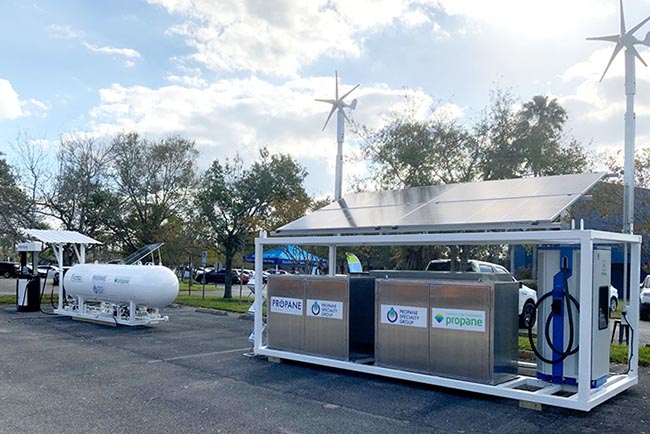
point(571, 369)
point(559, 311)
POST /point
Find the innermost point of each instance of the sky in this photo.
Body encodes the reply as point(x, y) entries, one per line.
point(238, 75)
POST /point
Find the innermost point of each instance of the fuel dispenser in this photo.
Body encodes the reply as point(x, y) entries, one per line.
point(558, 315)
point(28, 284)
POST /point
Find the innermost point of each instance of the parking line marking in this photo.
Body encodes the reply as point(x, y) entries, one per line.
point(213, 353)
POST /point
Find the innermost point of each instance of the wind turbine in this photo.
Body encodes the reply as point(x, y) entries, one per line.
point(337, 106)
point(627, 40)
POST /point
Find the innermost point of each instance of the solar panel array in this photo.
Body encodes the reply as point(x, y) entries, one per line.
point(502, 204)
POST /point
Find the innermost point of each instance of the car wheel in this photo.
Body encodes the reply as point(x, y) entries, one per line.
point(613, 304)
point(7, 275)
point(644, 313)
point(527, 316)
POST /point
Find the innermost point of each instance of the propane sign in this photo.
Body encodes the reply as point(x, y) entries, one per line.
point(325, 309)
point(291, 306)
point(404, 315)
point(458, 319)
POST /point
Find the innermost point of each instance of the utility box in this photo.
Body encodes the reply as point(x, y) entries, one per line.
point(330, 316)
point(285, 315)
point(402, 324)
point(461, 329)
point(326, 316)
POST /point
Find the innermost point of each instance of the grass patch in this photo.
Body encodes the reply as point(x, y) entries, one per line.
point(47, 298)
point(617, 353)
point(230, 304)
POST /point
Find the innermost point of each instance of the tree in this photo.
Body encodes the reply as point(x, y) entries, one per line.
point(410, 153)
point(154, 181)
point(80, 197)
point(15, 211)
point(235, 201)
point(527, 142)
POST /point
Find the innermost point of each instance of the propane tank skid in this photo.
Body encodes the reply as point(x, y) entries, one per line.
point(118, 294)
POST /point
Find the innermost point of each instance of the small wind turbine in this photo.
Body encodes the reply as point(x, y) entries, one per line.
point(627, 40)
point(338, 105)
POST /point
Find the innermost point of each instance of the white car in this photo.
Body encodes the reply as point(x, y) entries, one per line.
point(527, 295)
point(644, 312)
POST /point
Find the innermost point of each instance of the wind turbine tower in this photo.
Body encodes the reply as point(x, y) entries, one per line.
point(338, 106)
point(627, 40)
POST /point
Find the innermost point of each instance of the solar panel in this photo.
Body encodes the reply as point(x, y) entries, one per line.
point(141, 253)
point(509, 203)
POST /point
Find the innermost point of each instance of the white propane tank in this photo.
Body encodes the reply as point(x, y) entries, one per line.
point(150, 285)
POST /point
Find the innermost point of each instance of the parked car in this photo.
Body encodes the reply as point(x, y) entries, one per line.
point(220, 277)
point(527, 295)
point(274, 271)
point(644, 313)
point(251, 275)
point(9, 269)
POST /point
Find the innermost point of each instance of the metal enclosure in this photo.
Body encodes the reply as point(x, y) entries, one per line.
point(326, 316)
point(466, 330)
point(322, 315)
point(402, 326)
point(286, 320)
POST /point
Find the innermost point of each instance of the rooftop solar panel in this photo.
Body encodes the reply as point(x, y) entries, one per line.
point(476, 205)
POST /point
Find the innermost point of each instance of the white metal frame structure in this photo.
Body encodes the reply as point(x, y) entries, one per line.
point(93, 310)
point(524, 388)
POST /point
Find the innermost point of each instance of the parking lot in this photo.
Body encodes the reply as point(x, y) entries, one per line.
point(190, 375)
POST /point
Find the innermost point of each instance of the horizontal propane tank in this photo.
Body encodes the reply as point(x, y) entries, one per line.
point(150, 285)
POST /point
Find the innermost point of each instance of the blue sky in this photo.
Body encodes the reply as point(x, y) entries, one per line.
point(240, 74)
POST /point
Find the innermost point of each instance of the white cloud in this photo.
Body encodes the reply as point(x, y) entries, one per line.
point(241, 115)
point(531, 19)
point(57, 31)
point(280, 37)
point(125, 52)
point(9, 101)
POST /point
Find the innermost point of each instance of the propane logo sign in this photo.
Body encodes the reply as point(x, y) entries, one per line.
point(404, 315)
point(325, 309)
point(458, 319)
point(291, 306)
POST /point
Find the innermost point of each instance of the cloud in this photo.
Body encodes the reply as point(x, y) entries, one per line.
point(57, 31)
point(125, 52)
point(241, 115)
point(282, 36)
point(536, 20)
point(9, 102)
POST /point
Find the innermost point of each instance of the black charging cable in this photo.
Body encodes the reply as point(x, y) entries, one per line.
point(563, 353)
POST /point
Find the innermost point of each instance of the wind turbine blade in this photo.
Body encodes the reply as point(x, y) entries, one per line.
point(638, 56)
point(613, 38)
point(329, 101)
point(622, 19)
point(350, 91)
point(638, 26)
point(336, 78)
point(611, 59)
point(329, 117)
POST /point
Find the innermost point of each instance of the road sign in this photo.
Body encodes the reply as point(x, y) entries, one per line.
point(204, 258)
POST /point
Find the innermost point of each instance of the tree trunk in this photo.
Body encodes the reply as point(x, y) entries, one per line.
point(227, 293)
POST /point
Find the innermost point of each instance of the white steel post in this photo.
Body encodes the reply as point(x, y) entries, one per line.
point(585, 299)
point(630, 128)
point(633, 311)
point(58, 250)
point(331, 260)
point(259, 284)
point(340, 132)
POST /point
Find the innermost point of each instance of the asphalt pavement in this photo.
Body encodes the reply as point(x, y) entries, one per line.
point(190, 376)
